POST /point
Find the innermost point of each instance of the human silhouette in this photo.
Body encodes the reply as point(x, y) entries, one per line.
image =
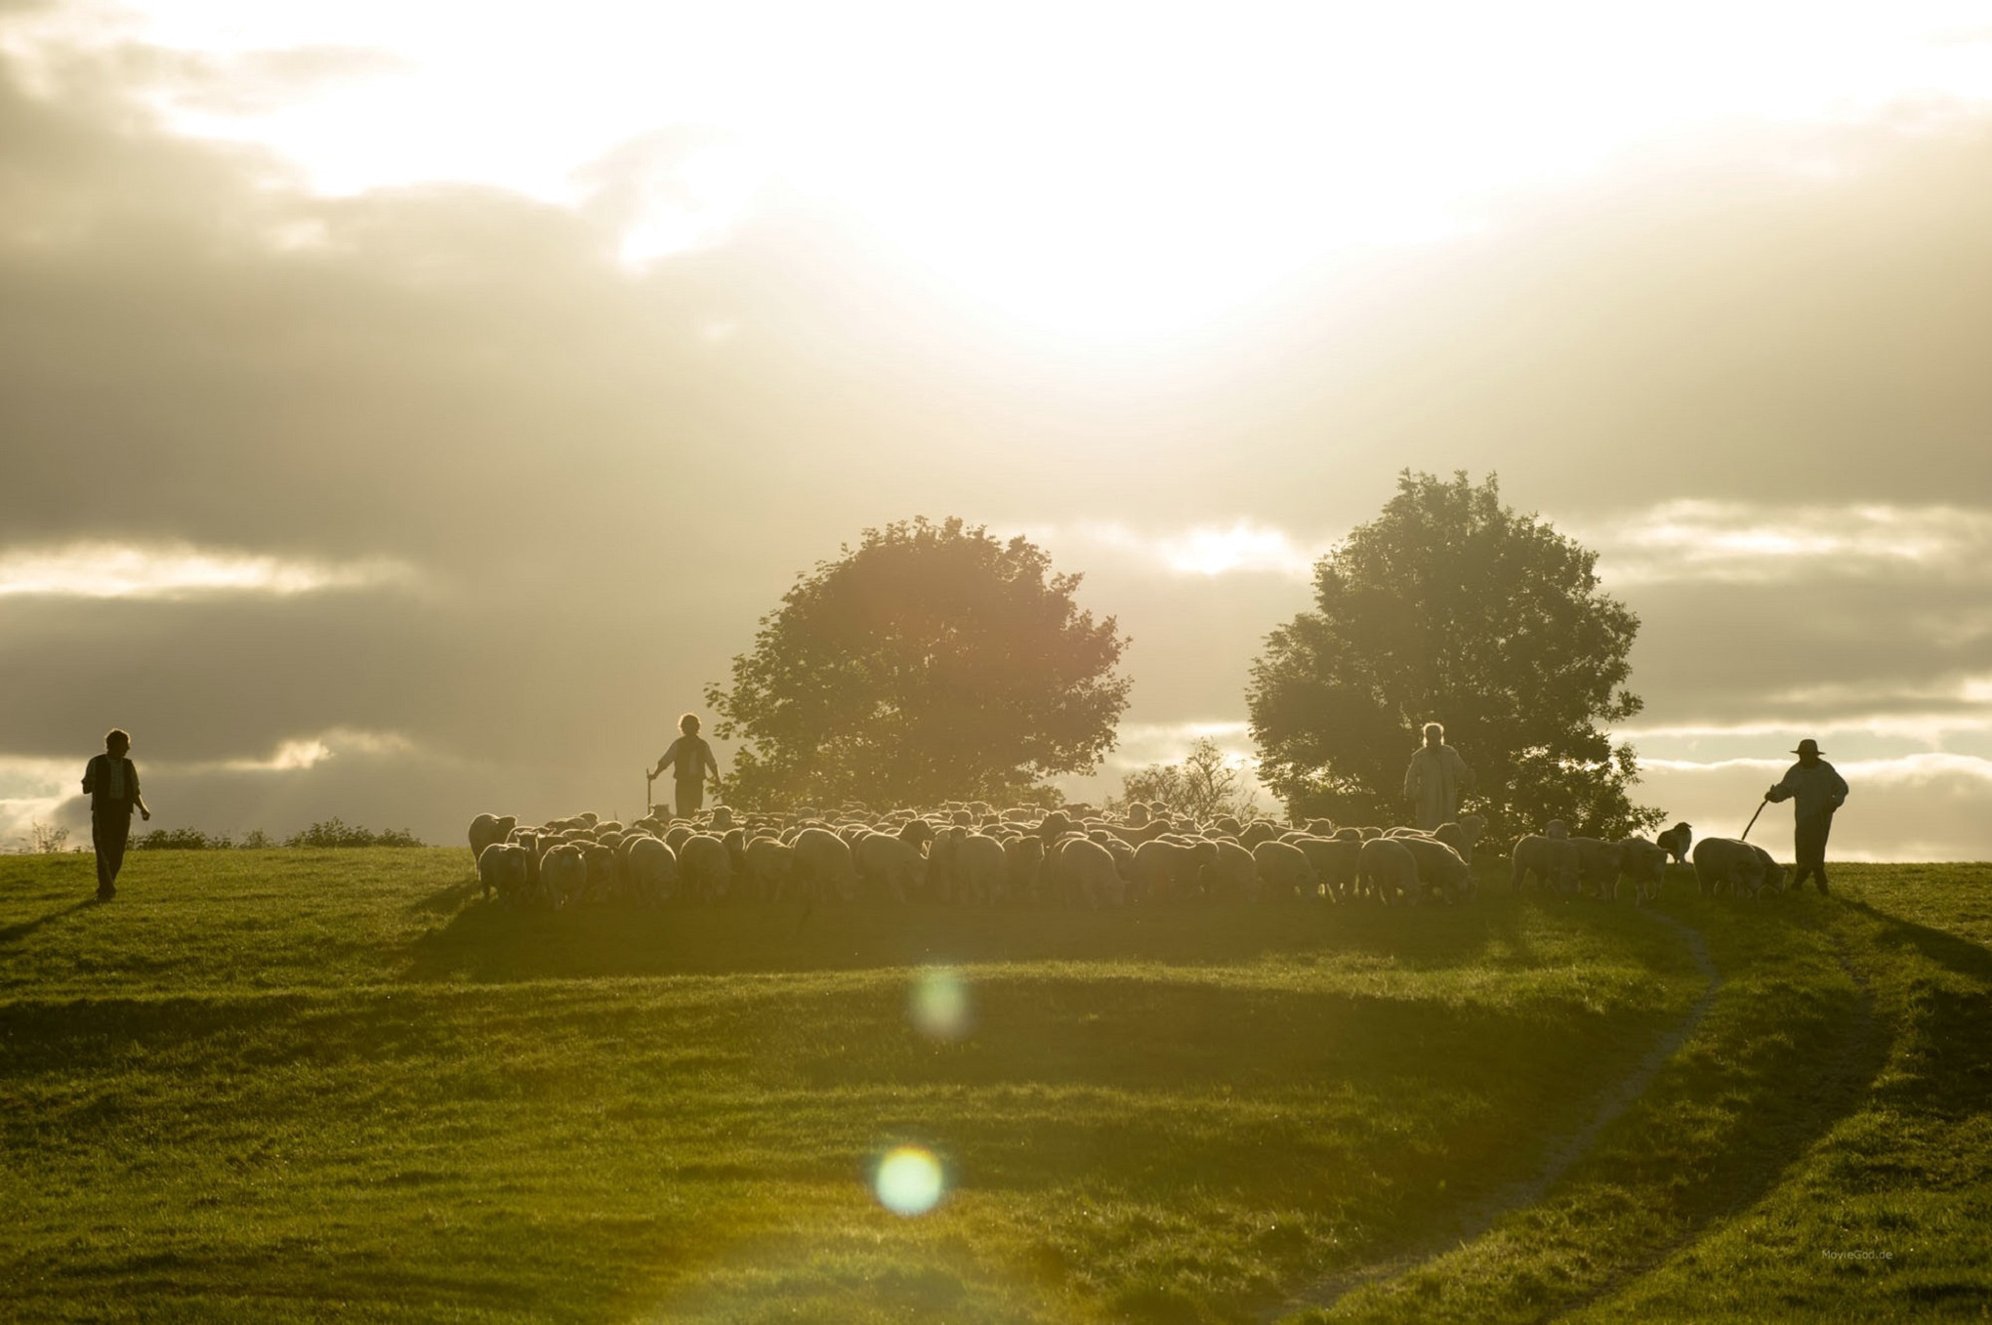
point(1816, 790)
point(690, 758)
point(111, 780)
point(1435, 781)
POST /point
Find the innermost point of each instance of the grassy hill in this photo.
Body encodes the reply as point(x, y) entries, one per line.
point(309, 1085)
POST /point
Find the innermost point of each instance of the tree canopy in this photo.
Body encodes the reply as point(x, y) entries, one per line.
point(1204, 785)
point(931, 662)
point(1450, 607)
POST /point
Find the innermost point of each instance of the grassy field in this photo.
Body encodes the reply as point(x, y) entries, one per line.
point(310, 1085)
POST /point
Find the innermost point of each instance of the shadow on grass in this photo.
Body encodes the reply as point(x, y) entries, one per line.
point(16, 932)
point(485, 942)
point(445, 901)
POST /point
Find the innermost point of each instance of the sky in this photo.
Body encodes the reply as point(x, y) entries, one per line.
point(400, 421)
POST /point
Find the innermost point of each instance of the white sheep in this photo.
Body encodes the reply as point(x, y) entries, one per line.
point(1440, 867)
point(1389, 870)
point(1284, 870)
point(1552, 860)
point(1727, 862)
point(564, 874)
point(650, 871)
point(488, 828)
point(705, 868)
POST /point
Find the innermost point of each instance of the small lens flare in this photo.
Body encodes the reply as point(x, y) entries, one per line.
point(938, 1004)
point(909, 1181)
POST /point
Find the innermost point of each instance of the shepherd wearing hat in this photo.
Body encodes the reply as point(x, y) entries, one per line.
point(1815, 790)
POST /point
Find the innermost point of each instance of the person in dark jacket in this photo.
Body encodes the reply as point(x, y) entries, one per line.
point(690, 757)
point(1816, 790)
point(111, 780)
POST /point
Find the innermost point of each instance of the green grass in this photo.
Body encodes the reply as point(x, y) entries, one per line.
point(309, 1085)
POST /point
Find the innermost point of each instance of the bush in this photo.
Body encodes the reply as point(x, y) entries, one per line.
point(182, 839)
point(338, 833)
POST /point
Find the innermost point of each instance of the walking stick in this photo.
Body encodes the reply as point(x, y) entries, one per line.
point(1753, 819)
point(648, 779)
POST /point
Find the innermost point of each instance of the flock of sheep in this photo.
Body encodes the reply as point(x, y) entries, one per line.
point(976, 854)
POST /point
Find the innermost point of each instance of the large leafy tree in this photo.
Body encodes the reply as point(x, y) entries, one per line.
point(930, 662)
point(1450, 607)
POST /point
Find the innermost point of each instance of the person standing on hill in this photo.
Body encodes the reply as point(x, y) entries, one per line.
point(1816, 790)
point(111, 780)
point(1435, 781)
point(690, 757)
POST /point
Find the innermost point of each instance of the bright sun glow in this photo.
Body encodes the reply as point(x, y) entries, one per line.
point(1107, 170)
point(117, 570)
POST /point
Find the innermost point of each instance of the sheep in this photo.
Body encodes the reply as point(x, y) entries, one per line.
point(765, 875)
point(650, 871)
point(890, 865)
point(1389, 870)
point(981, 869)
point(943, 876)
point(602, 872)
point(1597, 865)
point(1024, 858)
point(705, 867)
point(1462, 834)
point(502, 869)
point(1439, 867)
point(820, 866)
point(1774, 873)
point(1553, 861)
point(1259, 830)
point(1726, 862)
point(1335, 861)
point(1233, 876)
point(1645, 864)
point(1078, 869)
point(488, 828)
point(564, 874)
point(1171, 871)
point(1284, 870)
point(1676, 841)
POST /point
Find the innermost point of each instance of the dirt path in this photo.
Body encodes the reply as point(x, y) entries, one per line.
point(1564, 1151)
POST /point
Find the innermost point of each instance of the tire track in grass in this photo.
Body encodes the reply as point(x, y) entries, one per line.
point(1858, 1058)
point(1564, 1151)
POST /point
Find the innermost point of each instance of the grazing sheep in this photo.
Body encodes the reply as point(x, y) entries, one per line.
point(502, 869)
point(981, 870)
point(488, 828)
point(564, 874)
point(1079, 870)
point(705, 867)
point(1233, 876)
point(1727, 862)
point(767, 863)
point(1676, 841)
point(889, 865)
point(1774, 873)
point(1024, 860)
point(1336, 862)
point(1597, 865)
point(1439, 867)
point(1556, 828)
point(943, 875)
point(650, 872)
point(1552, 860)
point(603, 883)
point(1389, 870)
point(1645, 864)
point(1284, 870)
point(821, 868)
point(1169, 871)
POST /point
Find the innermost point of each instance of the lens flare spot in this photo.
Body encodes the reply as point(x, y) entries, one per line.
point(939, 1004)
point(909, 1181)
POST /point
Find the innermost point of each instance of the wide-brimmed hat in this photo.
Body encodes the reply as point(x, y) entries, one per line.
point(1808, 746)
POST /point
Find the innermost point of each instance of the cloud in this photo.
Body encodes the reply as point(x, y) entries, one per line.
point(1705, 540)
point(1915, 807)
point(110, 570)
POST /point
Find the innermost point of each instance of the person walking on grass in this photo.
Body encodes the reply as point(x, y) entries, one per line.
point(690, 758)
point(1816, 790)
point(1435, 781)
point(111, 780)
